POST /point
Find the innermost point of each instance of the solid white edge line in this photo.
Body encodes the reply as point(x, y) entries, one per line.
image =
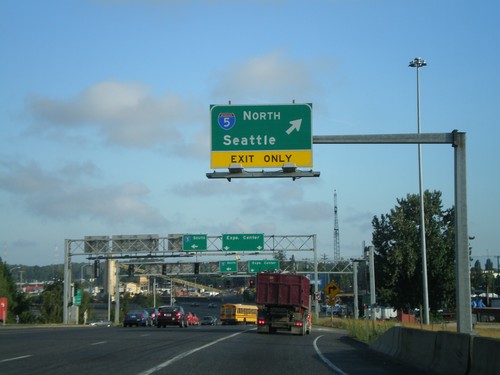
point(99, 343)
point(16, 358)
point(324, 359)
point(189, 352)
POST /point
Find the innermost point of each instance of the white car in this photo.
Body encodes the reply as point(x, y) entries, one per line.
point(100, 323)
point(209, 321)
point(338, 310)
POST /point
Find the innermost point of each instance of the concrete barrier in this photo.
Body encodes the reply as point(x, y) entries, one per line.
point(417, 348)
point(389, 343)
point(451, 355)
point(485, 358)
point(433, 352)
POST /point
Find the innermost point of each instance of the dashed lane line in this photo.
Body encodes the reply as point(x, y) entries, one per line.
point(189, 352)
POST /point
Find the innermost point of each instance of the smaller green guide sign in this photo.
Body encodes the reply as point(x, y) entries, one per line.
point(194, 242)
point(228, 266)
point(263, 265)
point(77, 301)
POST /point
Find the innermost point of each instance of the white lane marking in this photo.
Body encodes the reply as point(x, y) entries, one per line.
point(99, 343)
point(324, 359)
point(185, 354)
point(15, 358)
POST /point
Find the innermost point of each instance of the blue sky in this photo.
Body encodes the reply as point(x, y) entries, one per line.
point(105, 123)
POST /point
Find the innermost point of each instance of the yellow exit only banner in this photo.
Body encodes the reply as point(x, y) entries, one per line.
point(261, 159)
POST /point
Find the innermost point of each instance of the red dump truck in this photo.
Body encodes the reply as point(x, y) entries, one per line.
point(284, 303)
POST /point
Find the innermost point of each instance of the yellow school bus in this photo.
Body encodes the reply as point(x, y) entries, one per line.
point(238, 313)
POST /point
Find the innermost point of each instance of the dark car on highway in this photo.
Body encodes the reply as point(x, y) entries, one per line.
point(153, 313)
point(171, 315)
point(137, 318)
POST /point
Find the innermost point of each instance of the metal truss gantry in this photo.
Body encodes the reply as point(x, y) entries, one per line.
point(151, 252)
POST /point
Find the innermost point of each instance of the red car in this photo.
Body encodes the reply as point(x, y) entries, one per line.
point(193, 320)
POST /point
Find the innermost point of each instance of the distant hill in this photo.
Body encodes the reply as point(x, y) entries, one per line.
point(39, 274)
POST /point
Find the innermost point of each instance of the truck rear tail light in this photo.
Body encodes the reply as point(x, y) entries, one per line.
point(261, 322)
point(298, 324)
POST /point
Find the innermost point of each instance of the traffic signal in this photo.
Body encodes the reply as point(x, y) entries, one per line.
point(131, 269)
point(97, 269)
point(196, 268)
point(163, 269)
point(252, 283)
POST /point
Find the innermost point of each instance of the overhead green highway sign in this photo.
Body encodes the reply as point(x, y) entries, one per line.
point(261, 136)
point(243, 242)
point(194, 242)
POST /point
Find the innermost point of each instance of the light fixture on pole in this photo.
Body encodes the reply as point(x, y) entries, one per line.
point(418, 63)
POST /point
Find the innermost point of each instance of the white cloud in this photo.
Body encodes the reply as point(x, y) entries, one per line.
point(302, 211)
point(125, 113)
point(62, 195)
point(284, 202)
point(266, 77)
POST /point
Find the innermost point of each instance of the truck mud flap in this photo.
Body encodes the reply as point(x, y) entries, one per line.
point(263, 329)
point(298, 331)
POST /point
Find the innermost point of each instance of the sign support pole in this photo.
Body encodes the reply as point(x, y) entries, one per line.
point(458, 141)
point(373, 296)
point(117, 295)
point(67, 280)
point(316, 303)
point(355, 287)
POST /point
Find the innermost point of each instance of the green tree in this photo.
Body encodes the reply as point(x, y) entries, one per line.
point(52, 302)
point(24, 303)
point(489, 265)
point(398, 259)
point(280, 255)
point(489, 281)
point(477, 277)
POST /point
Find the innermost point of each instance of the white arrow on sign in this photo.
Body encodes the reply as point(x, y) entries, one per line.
point(226, 247)
point(259, 247)
point(194, 246)
point(295, 126)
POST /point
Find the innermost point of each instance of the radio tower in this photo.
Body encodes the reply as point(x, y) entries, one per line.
point(336, 239)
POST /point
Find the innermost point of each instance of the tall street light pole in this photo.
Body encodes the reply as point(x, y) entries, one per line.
point(418, 63)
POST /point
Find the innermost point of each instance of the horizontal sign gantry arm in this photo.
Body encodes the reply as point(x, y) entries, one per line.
point(422, 138)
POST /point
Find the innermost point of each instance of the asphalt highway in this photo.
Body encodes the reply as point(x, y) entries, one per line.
point(221, 350)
